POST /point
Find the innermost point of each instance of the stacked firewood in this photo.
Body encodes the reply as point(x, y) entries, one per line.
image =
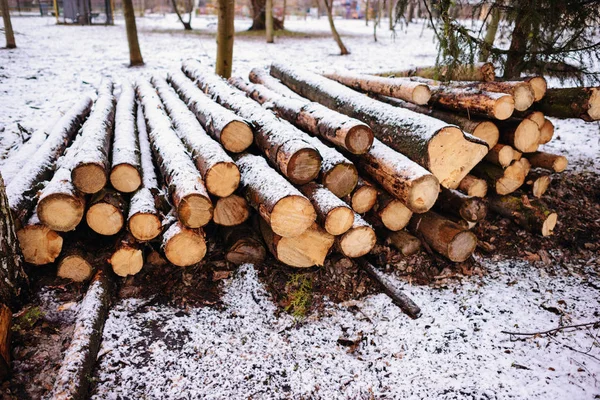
point(303, 163)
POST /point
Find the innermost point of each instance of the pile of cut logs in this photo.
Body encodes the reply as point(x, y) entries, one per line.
point(307, 164)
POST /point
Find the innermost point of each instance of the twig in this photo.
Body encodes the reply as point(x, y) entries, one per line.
point(551, 331)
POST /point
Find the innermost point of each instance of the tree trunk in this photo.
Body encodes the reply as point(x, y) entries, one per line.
point(221, 175)
point(444, 150)
point(391, 6)
point(223, 125)
point(269, 20)
point(225, 35)
point(367, 13)
point(411, 11)
point(186, 25)
point(529, 214)
point(518, 46)
point(259, 16)
point(336, 36)
point(577, 102)
point(283, 14)
point(135, 54)
point(8, 30)
point(490, 34)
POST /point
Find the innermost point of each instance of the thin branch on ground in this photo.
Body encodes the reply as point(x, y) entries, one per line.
point(551, 331)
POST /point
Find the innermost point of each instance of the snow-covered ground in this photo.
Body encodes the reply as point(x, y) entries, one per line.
point(455, 350)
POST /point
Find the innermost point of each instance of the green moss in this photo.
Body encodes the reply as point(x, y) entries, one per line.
point(28, 319)
point(299, 289)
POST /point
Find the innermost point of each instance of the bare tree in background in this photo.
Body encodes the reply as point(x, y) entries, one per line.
point(259, 16)
point(225, 35)
point(135, 54)
point(269, 21)
point(334, 32)
point(188, 7)
point(8, 30)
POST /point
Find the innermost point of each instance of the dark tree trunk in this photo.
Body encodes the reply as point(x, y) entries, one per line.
point(186, 25)
point(518, 46)
point(135, 54)
point(8, 30)
point(259, 17)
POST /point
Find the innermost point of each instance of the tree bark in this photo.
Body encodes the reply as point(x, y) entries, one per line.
point(518, 46)
point(404, 242)
point(444, 150)
point(269, 21)
point(336, 36)
point(469, 208)
point(135, 54)
point(225, 35)
point(551, 162)
point(259, 16)
point(490, 34)
point(5, 333)
point(186, 25)
point(332, 213)
point(8, 30)
point(577, 102)
point(529, 214)
point(243, 245)
point(262, 77)
point(476, 72)
point(14, 164)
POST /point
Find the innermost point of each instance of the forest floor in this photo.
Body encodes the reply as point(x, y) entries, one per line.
point(267, 331)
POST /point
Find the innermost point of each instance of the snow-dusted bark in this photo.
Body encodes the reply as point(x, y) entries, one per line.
point(186, 187)
point(125, 173)
point(23, 189)
point(221, 175)
point(261, 76)
point(348, 133)
point(233, 132)
point(332, 213)
point(92, 162)
point(443, 149)
point(284, 145)
point(14, 164)
point(282, 206)
point(577, 102)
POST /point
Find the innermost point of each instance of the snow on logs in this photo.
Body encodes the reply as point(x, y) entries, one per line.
point(261, 76)
point(22, 190)
point(125, 173)
point(91, 164)
point(186, 187)
point(483, 71)
point(221, 175)
point(223, 125)
point(143, 220)
point(283, 144)
point(444, 150)
point(498, 106)
point(182, 246)
point(332, 213)
point(287, 211)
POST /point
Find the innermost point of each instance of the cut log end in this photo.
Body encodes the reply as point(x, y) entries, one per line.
point(231, 210)
point(357, 242)
point(513, 178)
point(364, 199)
point(304, 166)
point(406, 243)
point(61, 212)
point(341, 179)
point(105, 219)
point(539, 86)
point(75, 268)
point(236, 137)
point(452, 156)
point(292, 215)
point(462, 246)
point(540, 185)
point(488, 132)
point(306, 250)
point(546, 132)
point(395, 216)
point(125, 178)
point(339, 220)
point(424, 194)
point(359, 139)
point(473, 186)
point(127, 261)
point(89, 178)
point(527, 136)
point(594, 103)
point(421, 95)
point(144, 226)
point(195, 211)
point(39, 244)
point(549, 224)
point(244, 252)
point(504, 107)
point(185, 248)
point(524, 97)
point(537, 117)
point(222, 179)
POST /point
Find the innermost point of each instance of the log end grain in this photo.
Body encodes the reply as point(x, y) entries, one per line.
point(406, 243)
point(527, 136)
point(222, 179)
point(236, 137)
point(549, 224)
point(462, 246)
point(89, 178)
point(75, 268)
point(61, 212)
point(39, 244)
point(303, 166)
point(359, 139)
point(341, 179)
point(195, 210)
point(105, 219)
point(421, 95)
point(452, 156)
point(424, 193)
point(504, 107)
point(231, 210)
point(594, 105)
point(125, 178)
point(513, 178)
point(306, 250)
point(473, 186)
point(488, 132)
point(292, 215)
point(363, 199)
point(357, 242)
point(546, 132)
point(127, 261)
point(539, 86)
point(540, 185)
point(395, 215)
point(145, 226)
point(185, 248)
point(524, 96)
point(339, 220)
point(537, 117)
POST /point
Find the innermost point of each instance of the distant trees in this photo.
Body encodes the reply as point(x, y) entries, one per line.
point(259, 16)
point(269, 21)
point(188, 7)
point(135, 54)
point(8, 30)
point(336, 36)
point(225, 35)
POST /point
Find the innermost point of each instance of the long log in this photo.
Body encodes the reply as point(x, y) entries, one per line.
point(358, 241)
point(478, 127)
point(222, 124)
point(444, 236)
point(182, 246)
point(469, 208)
point(551, 162)
point(444, 150)
point(262, 77)
point(363, 197)
point(92, 164)
point(342, 131)
point(476, 72)
point(302, 251)
point(332, 213)
point(532, 215)
point(186, 187)
point(503, 181)
point(24, 187)
point(73, 377)
point(283, 144)
point(128, 257)
point(106, 212)
point(393, 213)
point(125, 173)
point(404, 242)
point(499, 106)
point(577, 102)
point(407, 90)
point(144, 221)
point(243, 245)
point(75, 263)
point(405, 180)
point(231, 210)
point(221, 175)
point(282, 206)
point(39, 244)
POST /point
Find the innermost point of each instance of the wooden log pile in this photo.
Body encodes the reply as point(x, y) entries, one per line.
point(293, 163)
